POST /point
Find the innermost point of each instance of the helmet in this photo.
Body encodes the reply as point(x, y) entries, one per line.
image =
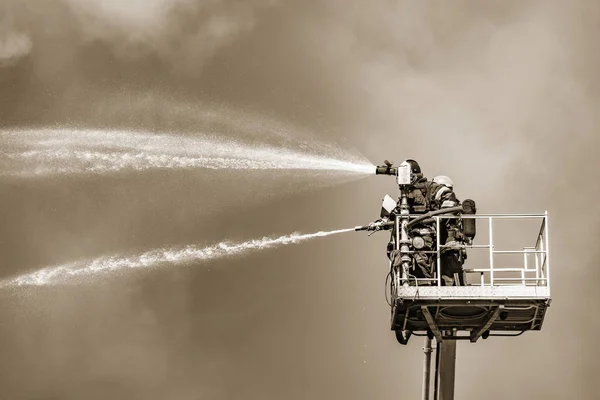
point(443, 180)
point(414, 166)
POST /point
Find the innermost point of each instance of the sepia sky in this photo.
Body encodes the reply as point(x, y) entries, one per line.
point(502, 96)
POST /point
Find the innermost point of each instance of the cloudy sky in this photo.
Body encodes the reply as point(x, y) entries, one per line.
point(503, 96)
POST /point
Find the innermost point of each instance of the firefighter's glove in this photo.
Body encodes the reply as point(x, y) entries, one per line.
point(375, 226)
point(372, 226)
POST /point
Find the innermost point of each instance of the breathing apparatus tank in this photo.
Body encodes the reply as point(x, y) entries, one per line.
point(469, 225)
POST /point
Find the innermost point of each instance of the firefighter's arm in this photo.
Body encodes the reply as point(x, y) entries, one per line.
point(379, 224)
point(446, 198)
point(384, 223)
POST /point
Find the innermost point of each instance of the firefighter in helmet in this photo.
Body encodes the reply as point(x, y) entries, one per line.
point(451, 237)
point(425, 196)
point(419, 202)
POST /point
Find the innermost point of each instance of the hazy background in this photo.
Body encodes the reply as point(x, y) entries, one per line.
point(502, 96)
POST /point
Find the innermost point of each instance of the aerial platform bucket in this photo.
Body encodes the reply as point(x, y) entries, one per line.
point(507, 289)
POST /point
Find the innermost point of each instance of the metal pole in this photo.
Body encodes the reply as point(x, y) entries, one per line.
point(426, 367)
point(437, 248)
point(491, 253)
point(438, 349)
point(404, 249)
point(397, 277)
point(447, 368)
point(547, 254)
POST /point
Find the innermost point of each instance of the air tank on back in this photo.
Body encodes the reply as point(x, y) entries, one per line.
point(469, 226)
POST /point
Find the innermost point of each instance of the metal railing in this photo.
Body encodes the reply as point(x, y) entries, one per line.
point(535, 267)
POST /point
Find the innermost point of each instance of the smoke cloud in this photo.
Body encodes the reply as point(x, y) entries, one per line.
point(183, 34)
point(14, 43)
point(13, 46)
point(186, 33)
point(502, 96)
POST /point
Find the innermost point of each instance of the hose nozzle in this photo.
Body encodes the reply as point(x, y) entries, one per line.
point(386, 169)
point(376, 226)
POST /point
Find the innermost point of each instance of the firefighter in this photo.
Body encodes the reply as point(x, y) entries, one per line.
point(425, 196)
point(420, 201)
point(453, 255)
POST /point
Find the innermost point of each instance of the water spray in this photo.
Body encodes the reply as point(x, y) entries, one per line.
point(62, 151)
point(155, 258)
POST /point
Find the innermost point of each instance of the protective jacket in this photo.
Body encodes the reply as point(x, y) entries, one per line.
point(428, 196)
point(423, 197)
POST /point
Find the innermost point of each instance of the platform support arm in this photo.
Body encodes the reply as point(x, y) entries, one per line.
point(432, 324)
point(476, 334)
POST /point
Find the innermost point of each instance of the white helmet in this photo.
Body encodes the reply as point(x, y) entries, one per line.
point(443, 180)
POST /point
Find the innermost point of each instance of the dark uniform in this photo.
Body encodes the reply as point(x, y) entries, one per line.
point(428, 196)
point(451, 258)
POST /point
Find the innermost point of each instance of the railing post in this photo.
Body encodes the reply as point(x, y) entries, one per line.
point(491, 253)
point(547, 252)
point(537, 265)
point(543, 252)
point(397, 277)
point(524, 266)
point(523, 278)
point(437, 241)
